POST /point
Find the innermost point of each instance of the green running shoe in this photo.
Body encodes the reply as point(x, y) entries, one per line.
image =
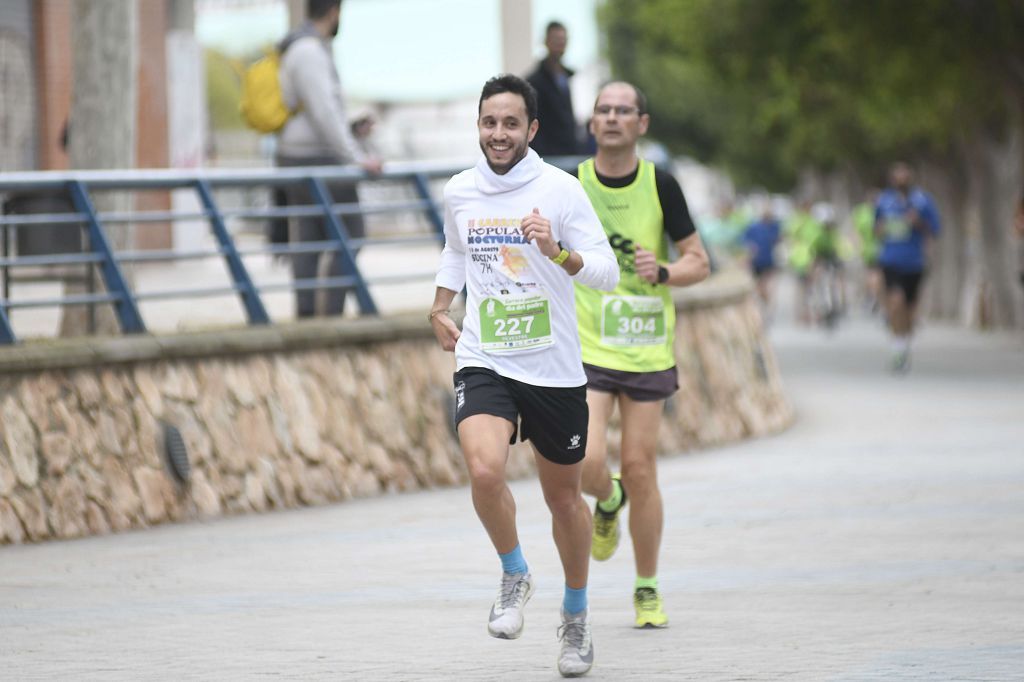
point(606, 527)
point(649, 612)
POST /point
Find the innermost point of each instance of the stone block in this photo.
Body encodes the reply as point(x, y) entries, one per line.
point(11, 529)
point(124, 501)
point(96, 519)
point(7, 478)
point(88, 387)
point(67, 509)
point(113, 384)
point(362, 481)
point(147, 389)
point(58, 452)
point(203, 495)
point(290, 392)
point(19, 437)
point(269, 482)
point(32, 510)
point(255, 433)
point(179, 383)
point(239, 384)
point(254, 492)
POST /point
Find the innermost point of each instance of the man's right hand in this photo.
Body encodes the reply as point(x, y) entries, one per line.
point(372, 166)
point(445, 330)
point(646, 265)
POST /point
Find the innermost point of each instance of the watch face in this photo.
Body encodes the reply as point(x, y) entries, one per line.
point(17, 102)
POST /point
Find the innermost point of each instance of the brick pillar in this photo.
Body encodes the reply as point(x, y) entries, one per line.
point(151, 122)
point(53, 78)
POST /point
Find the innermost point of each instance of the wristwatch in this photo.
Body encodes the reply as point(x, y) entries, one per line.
point(562, 256)
point(662, 274)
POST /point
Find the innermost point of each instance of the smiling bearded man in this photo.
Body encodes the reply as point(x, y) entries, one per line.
point(518, 232)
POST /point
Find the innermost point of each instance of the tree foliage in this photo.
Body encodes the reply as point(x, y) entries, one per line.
point(766, 88)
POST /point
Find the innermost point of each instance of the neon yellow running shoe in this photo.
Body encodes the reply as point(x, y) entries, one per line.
point(649, 613)
point(606, 527)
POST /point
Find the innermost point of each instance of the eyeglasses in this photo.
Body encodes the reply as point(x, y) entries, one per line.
point(605, 110)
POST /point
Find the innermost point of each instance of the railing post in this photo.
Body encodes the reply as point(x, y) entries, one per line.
point(125, 306)
point(6, 332)
point(336, 231)
point(433, 214)
point(239, 275)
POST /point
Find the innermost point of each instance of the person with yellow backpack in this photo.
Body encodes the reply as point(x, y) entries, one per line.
point(307, 112)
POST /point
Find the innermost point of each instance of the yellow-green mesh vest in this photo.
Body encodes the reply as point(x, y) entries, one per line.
point(630, 215)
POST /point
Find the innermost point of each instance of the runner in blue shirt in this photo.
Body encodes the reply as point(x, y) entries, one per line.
point(906, 221)
point(761, 238)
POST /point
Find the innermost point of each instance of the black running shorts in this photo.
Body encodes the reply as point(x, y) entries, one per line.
point(908, 282)
point(638, 386)
point(553, 419)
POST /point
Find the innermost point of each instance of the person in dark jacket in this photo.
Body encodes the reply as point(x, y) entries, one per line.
point(557, 135)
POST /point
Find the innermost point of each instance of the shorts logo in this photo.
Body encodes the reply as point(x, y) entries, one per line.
point(460, 395)
point(574, 442)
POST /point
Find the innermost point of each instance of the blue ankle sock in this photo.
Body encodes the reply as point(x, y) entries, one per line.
point(574, 601)
point(513, 562)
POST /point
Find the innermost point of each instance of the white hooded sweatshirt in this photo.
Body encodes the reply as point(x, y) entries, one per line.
point(520, 308)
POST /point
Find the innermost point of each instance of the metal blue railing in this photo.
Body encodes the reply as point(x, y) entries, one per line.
point(76, 190)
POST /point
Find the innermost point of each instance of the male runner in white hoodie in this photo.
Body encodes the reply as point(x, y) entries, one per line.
point(517, 233)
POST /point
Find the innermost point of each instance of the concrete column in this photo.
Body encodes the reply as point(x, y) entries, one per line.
point(296, 13)
point(188, 126)
point(181, 15)
point(516, 36)
point(186, 88)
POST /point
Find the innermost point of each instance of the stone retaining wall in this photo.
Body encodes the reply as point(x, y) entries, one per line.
point(301, 414)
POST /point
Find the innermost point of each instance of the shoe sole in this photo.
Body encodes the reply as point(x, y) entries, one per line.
point(579, 674)
point(519, 633)
point(603, 558)
point(502, 635)
point(651, 626)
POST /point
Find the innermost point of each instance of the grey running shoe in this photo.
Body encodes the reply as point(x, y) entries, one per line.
point(506, 620)
point(577, 654)
point(901, 362)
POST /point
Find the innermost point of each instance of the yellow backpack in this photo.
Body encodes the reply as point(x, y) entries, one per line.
point(262, 104)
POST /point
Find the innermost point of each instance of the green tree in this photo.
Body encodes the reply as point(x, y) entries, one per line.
point(768, 89)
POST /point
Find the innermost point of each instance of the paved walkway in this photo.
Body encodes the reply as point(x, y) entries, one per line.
point(881, 538)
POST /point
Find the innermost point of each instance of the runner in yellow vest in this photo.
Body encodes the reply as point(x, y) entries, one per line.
point(627, 334)
point(863, 219)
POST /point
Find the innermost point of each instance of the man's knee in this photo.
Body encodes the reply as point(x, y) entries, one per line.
point(485, 473)
point(639, 475)
point(564, 502)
